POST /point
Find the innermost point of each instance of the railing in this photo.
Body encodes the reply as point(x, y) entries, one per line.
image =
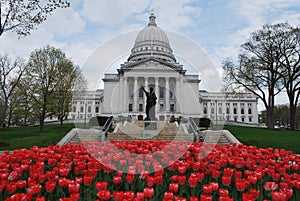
point(193, 128)
point(107, 126)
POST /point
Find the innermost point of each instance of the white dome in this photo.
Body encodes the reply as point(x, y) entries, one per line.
point(152, 42)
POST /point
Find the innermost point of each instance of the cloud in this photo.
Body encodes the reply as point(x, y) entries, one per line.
point(65, 22)
point(112, 11)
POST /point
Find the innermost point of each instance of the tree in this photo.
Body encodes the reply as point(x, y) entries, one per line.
point(288, 48)
point(45, 70)
point(68, 78)
point(11, 71)
point(258, 69)
point(23, 16)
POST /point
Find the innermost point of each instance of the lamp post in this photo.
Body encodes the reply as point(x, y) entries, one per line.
point(216, 113)
point(85, 115)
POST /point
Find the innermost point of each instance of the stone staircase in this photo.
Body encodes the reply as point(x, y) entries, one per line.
point(166, 132)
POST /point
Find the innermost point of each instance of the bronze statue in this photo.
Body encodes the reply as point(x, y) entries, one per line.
point(150, 106)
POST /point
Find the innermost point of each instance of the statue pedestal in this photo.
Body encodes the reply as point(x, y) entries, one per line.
point(150, 128)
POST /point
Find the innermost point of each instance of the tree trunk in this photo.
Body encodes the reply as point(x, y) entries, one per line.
point(42, 123)
point(270, 117)
point(61, 122)
point(292, 116)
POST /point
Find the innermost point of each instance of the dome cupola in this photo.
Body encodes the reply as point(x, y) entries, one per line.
point(152, 42)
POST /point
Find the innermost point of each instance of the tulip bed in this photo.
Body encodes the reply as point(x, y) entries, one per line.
point(149, 170)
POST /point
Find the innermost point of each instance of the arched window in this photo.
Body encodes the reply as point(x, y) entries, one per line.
point(205, 110)
point(234, 111)
point(89, 109)
point(141, 92)
point(81, 109)
point(212, 110)
point(161, 92)
point(74, 109)
point(220, 110)
point(97, 109)
point(172, 91)
point(249, 111)
point(130, 91)
point(242, 111)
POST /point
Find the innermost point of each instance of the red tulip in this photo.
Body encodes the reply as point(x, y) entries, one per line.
point(42, 198)
point(215, 186)
point(148, 192)
point(173, 187)
point(140, 196)
point(21, 184)
point(87, 180)
point(247, 197)
point(75, 196)
point(181, 169)
point(228, 171)
point(104, 195)
point(74, 187)
point(200, 176)
point(63, 172)
point(270, 186)
point(14, 175)
point(129, 195)
point(101, 185)
point(240, 184)
point(117, 180)
point(118, 195)
point(194, 198)
point(226, 180)
point(252, 179)
point(181, 180)
point(193, 180)
point(50, 186)
point(11, 187)
point(34, 189)
point(278, 196)
point(205, 198)
point(255, 193)
point(207, 189)
point(168, 195)
point(130, 178)
point(223, 193)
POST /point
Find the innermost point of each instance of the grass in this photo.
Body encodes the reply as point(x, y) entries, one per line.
point(263, 138)
point(26, 137)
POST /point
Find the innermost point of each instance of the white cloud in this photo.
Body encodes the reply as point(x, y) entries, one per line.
point(65, 22)
point(112, 11)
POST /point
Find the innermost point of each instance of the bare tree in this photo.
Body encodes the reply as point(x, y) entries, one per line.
point(258, 69)
point(289, 51)
point(23, 16)
point(11, 71)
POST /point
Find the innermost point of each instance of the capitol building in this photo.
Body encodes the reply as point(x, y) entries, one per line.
point(152, 64)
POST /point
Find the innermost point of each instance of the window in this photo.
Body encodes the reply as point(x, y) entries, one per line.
point(161, 107)
point(140, 107)
point(250, 119)
point(235, 119)
point(97, 109)
point(204, 110)
point(227, 104)
point(89, 109)
point(130, 92)
point(171, 91)
point(172, 108)
point(234, 111)
point(227, 110)
point(249, 111)
point(74, 109)
point(212, 111)
point(220, 110)
point(161, 92)
point(242, 111)
point(130, 107)
point(81, 109)
point(141, 93)
point(243, 119)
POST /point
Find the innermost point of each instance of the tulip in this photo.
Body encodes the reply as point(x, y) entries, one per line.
point(278, 196)
point(173, 187)
point(181, 180)
point(118, 195)
point(75, 196)
point(193, 180)
point(207, 189)
point(101, 185)
point(74, 187)
point(117, 180)
point(148, 192)
point(21, 184)
point(226, 180)
point(140, 196)
point(215, 186)
point(42, 198)
point(270, 186)
point(168, 195)
point(104, 195)
point(87, 180)
point(130, 178)
point(194, 198)
point(205, 198)
point(50, 186)
point(129, 195)
point(11, 187)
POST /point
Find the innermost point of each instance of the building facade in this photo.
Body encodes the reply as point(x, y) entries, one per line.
point(152, 64)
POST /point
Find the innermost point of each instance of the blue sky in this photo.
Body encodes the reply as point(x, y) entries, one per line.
point(219, 27)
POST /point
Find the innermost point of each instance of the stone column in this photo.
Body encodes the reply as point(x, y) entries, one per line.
point(125, 95)
point(147, 89)
point(167, 94)
point(135, 94)
point(157, 95)
point(177, 108)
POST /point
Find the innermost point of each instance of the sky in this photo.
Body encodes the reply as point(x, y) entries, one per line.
point(218, 27)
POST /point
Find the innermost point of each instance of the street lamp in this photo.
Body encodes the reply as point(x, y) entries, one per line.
point(85, 115)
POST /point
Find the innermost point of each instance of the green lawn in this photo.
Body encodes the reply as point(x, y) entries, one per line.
point(26, 137)
point(261, 137)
